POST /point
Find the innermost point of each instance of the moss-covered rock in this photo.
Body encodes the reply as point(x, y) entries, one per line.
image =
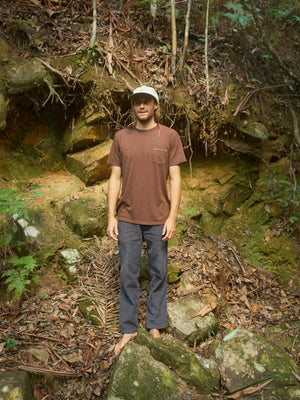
point(202, 373)
point(248, 359)
point(181, 228)
point(90, 165)
point(85, 217)
point(15, 385)
point(191, 330)
point(137, 375)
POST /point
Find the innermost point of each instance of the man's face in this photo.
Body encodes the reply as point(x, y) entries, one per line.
point(144, 107)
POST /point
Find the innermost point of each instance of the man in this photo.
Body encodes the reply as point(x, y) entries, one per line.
point(142, 159)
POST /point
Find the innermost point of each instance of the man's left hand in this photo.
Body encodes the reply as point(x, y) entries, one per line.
point(169, 229)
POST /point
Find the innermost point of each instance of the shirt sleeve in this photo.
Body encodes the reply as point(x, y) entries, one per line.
point(114, 155)
point(177, 155)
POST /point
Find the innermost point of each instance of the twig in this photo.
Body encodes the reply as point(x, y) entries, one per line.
point(45, 371)
point(45, 337)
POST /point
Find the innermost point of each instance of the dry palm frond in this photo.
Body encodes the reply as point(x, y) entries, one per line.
point(102, 286)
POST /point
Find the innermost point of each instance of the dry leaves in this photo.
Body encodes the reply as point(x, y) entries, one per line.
point(249, 390)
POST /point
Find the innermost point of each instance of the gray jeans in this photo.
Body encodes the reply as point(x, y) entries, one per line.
point(131, 238)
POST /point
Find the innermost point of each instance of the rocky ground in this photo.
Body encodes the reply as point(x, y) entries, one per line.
point(47, 335)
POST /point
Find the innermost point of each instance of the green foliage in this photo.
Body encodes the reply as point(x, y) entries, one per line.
point(91, 55)
point(12, 203)
point(94, 52)
point(267, 58)
point(287, 195)
point(191, 212)
point(282, 10)
point(19, 277)
point(10, 343)
point(23, 21)
point(238, 15)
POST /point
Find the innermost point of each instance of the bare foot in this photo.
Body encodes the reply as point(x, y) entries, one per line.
point(125, 339)
point(155, 333)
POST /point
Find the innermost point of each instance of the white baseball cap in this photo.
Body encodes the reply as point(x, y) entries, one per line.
point(145, 90)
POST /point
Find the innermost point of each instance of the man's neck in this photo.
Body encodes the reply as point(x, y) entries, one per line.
point(145, 126)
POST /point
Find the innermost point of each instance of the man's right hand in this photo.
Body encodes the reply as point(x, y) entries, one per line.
point(112, 229)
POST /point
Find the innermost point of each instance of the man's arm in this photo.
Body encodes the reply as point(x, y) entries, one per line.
point(175, 194)
point(114, 185)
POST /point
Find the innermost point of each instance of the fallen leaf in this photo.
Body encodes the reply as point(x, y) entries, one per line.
point(254, 307)
point(205, 309)
point(248, 390)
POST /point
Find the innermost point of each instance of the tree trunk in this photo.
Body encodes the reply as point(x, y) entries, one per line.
point(153, 8)
point(174, 37)
point(206, 57)
point(186, 35)
point(94, 29)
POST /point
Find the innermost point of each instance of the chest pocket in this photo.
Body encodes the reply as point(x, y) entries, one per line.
point(160, 156)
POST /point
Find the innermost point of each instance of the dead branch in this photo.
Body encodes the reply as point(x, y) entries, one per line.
point(109, 50)
point(44, 337)
point(245, 99)
point(45, 371)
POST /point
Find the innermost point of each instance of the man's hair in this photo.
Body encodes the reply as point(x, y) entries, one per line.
point(157, 114)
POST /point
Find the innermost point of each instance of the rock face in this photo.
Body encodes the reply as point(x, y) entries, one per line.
point(191, 330)
point(90, 165)
point(15, 385)
point(83, 135)
point(247, 359)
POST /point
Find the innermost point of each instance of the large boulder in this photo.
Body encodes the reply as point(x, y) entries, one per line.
point(90, 165)
point(200, 372)
point(15, 385)
point(249, 360)
point(85, 217)
point(137, 375)
point(26, 76)
point(186, 327)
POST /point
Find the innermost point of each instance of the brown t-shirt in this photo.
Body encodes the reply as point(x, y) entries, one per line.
point(145, 157)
